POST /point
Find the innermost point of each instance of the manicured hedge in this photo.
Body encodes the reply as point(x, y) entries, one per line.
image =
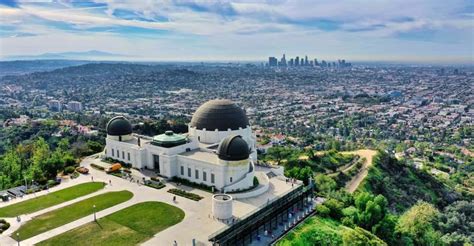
point(155, 185)
point(186, 182)
point(97, 167)
point(4, 225)
point(185, 194)
point(69, 170)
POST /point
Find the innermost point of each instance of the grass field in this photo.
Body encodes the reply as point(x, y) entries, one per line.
point(129, 226)
point(51, 199)
point(70, 213)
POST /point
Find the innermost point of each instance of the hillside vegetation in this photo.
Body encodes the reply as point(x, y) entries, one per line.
point(404, 185)
point(324, 231)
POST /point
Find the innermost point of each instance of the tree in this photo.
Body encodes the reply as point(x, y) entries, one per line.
point(456, 223)
point(324, 183)
point(335, 208)
point(41, 154)
point(95, 146)
point(10, 169)
point(417, 224)
point(360, 237)
point(278, 153)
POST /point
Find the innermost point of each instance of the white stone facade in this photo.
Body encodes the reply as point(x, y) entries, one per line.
point(195, 160)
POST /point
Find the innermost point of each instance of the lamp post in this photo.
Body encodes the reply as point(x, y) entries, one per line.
point(95, 218)
point(18, 238)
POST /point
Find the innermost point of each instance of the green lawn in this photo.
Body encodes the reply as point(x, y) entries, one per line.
point(75, 211)
point(51, 199)
point(325, 231)
point(129, 226)
point(315, 231)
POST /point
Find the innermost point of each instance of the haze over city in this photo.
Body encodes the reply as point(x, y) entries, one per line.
point(432, 31)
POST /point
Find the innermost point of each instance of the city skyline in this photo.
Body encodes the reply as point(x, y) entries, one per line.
point(421, 31)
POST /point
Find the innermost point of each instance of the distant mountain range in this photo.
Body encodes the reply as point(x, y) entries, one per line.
point(84, 55)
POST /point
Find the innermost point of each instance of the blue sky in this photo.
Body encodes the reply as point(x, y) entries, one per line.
point(365, 30)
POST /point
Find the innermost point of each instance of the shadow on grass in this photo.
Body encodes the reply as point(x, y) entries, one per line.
point(97, 222)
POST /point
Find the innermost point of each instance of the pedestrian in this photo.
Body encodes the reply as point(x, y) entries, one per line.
point(110, 182)
point(175, 243)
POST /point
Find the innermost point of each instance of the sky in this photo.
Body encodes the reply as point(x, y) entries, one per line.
point(186, 30)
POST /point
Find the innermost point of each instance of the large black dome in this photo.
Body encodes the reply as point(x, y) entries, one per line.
point(119, 126)
point(219, 114)
point(233, 148)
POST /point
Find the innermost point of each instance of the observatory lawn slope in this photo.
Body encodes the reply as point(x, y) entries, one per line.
point(51, 199)
point(70, 213)
point(129, 226)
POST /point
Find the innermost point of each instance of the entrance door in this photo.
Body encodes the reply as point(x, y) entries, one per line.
point(156, 163)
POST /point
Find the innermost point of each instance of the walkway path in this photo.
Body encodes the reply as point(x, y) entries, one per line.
point(368, 154)
point(196, 213)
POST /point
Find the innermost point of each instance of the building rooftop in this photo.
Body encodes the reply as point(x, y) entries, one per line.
point(200, 155)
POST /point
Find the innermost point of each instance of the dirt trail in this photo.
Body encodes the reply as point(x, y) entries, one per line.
point(368, 154)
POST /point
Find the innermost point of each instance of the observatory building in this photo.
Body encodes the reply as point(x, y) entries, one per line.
point(219, 149)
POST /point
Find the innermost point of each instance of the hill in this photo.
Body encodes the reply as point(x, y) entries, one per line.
point(404, 185)
point(324, 231)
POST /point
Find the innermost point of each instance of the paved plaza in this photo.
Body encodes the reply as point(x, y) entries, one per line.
point(198, 223)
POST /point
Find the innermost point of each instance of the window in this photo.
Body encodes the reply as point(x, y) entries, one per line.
point(189, 172)
point(182, 170)
point(231, 179)
point(196, 174)
point(113, 152)
point(128, 155)
point(204, 176)
point(123, 154)
point(212, 178)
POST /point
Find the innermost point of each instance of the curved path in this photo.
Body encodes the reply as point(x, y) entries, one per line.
point(368, 154)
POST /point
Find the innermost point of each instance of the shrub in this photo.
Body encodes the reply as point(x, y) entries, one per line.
point(117, 174)
point(101, 168)
point(185, 194)
point(192, 184)
point(74, 175)
point(51, 183)
point(155, 185)
point(69, 170)
point(255, 181)
point(323, 211)
point(4, 225)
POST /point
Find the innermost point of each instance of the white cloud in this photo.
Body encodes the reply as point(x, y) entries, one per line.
point(253, 29)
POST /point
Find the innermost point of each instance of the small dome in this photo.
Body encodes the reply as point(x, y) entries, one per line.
point(219, 114)
point(169, 139)
point(119, 126)
point(233, 148)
